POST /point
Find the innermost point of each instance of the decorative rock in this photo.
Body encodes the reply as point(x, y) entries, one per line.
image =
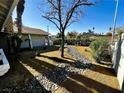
point(51, 79)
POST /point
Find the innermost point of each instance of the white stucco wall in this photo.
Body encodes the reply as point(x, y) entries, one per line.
point(118, 60)
point(25, 43)
point(120, 72)
point(36, 40)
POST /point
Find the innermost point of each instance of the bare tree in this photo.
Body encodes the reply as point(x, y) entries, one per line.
point(62, 13)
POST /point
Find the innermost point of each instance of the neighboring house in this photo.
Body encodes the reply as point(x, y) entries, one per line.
point(32, 37)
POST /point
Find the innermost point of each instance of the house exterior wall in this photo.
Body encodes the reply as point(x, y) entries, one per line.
point(25, 42)
point(120, 70)
point(118, 60)
point(36, 40)
point(4, 41)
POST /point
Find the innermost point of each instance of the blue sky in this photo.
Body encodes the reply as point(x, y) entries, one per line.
point(99, 16)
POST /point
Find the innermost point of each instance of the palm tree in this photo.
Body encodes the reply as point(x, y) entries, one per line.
point(20, 10)
point(110, 29)
point(93, 28)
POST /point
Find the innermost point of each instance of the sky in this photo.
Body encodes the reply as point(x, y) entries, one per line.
point(99, 16)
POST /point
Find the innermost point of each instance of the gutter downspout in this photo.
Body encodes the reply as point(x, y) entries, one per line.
point(30, 41)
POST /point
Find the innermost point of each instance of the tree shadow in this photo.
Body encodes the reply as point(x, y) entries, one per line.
point(73, 62)
point(56, 59)
point(89, 84)
point(43, 67)
point(96, 68)
point(19, 80)
point(103, 70)
point(72, 86)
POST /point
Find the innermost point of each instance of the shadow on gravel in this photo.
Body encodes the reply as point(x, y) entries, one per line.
point(19, 80)
point(74, 63)
point(103, 70)
point(71, 85)
point(56, 59)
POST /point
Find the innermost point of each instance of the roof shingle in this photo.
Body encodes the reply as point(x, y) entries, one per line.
point(29, 30)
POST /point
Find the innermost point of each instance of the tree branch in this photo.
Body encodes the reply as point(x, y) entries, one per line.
point(52, 22)
point(50, 1)
point(71, 11)
point(59, 14)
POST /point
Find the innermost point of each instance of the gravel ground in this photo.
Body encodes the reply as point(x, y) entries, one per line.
point(51, 79)
point(29, 86)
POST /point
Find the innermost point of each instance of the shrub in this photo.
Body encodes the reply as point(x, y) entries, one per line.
point(82, 42)
point(98, 47)
point(109, 34)
point(85, 41)
point(57, 41)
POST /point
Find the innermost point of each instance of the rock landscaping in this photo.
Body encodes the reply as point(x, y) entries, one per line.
point(29, 86)
point(51, 79)
point(53, 71)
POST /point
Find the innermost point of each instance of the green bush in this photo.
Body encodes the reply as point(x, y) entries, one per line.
point(83, 42)
point(57, 41)
point(98, 47)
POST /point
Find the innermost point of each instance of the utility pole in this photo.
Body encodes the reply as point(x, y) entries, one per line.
point(115, 19)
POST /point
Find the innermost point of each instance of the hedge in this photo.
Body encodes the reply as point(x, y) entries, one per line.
point(82, 42)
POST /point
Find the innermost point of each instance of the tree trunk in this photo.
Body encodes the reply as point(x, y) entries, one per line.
point(19, 23)
point(20, 10)
point(62, 44)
